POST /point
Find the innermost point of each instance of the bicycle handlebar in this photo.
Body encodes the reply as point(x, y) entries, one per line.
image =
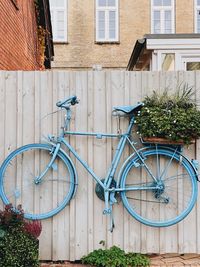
point(67, 102)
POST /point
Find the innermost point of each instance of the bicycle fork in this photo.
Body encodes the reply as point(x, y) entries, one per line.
point(38, 179)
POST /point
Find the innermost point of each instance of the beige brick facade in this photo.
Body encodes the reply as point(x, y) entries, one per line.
point(81, 51)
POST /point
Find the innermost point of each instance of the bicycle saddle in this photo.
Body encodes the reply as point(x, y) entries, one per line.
point(129, 109)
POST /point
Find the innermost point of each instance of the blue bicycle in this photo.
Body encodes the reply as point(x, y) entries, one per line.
point(156, 183)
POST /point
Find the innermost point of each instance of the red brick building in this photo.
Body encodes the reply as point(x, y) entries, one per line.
point(25, 35)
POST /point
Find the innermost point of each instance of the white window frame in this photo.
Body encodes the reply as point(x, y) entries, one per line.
point(162, 9)
point(196, 7)
point(65, 9)
point(107, 9)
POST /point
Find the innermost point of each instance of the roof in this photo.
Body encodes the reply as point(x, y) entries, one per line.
point(146, 44)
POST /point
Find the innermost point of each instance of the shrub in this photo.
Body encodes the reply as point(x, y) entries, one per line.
point(115, 257)
point(174, 116)
point(18, 239)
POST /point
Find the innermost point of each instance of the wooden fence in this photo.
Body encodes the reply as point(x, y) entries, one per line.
point(25, 100)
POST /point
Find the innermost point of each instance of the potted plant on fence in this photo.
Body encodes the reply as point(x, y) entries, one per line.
point(169, 118)
point(19, 244)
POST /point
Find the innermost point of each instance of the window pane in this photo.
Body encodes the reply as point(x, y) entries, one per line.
point(112, 34)
point(112, 24)
point(102, 2)
point(60, 15)
point(156, 15)
point(168, 62)
point(156, 26)
point(198, 2)
point(167, 3)
point(101, 24)
point(60, 24)
point(193, 66)
point(168, 24)
point(111, 2)
point(112, 15)
point(60, 34)
point(157, 2)
point(102, 15)
point(167, 15)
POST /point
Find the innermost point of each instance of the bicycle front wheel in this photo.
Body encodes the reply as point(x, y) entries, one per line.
point(19, 184)
point(165, 199)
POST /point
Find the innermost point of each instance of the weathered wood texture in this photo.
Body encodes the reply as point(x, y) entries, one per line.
point(25, 100)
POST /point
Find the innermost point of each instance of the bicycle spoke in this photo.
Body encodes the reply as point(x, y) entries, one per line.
point(40, 198)
point(174, 194)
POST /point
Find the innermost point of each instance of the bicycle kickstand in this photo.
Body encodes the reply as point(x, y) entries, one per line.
point(112, 224)
point(109, 201)
point(112, 202)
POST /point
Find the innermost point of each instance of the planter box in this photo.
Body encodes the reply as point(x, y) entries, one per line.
point(164, 141)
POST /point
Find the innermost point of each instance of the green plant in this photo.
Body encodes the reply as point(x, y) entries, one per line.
point(172, 116)
point(115, 257)
point(18, 239)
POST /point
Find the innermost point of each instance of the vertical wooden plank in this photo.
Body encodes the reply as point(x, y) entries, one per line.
point(109, 118)
point(135, 95)
point(61, 222)
point(72, 245)
point(168, 236)
point(99, 120)
point(118, 95)
point(2, 111)
point(189, 245)
point(90, 183)
point(10, 111)
point(45, 128)
point(81, 147)
point(10, 140)
point(127, 101)
point(2, 121)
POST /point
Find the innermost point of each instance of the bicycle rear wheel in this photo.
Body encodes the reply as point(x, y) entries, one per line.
point(18, 182)
point(176, 184)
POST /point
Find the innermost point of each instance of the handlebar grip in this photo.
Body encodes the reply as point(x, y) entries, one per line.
point(74, 100)
point(71, 100)
point(59, 104)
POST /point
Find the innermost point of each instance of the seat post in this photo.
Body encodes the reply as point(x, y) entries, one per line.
point(132, 120)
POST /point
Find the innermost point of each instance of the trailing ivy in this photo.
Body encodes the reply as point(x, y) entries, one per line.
point(115, 257)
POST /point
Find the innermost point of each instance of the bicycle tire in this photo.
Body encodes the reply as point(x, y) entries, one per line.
point(17, 181)
point(175, 198)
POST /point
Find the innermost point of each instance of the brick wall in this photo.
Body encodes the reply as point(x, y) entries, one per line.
point(82, 52)
point(18, 35)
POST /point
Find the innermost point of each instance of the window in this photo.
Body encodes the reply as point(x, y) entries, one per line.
point(197, 16)
point(59, 20)
point(162, 16)
point(107, 19)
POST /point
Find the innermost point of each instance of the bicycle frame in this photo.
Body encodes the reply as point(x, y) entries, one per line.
point(124, 139)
